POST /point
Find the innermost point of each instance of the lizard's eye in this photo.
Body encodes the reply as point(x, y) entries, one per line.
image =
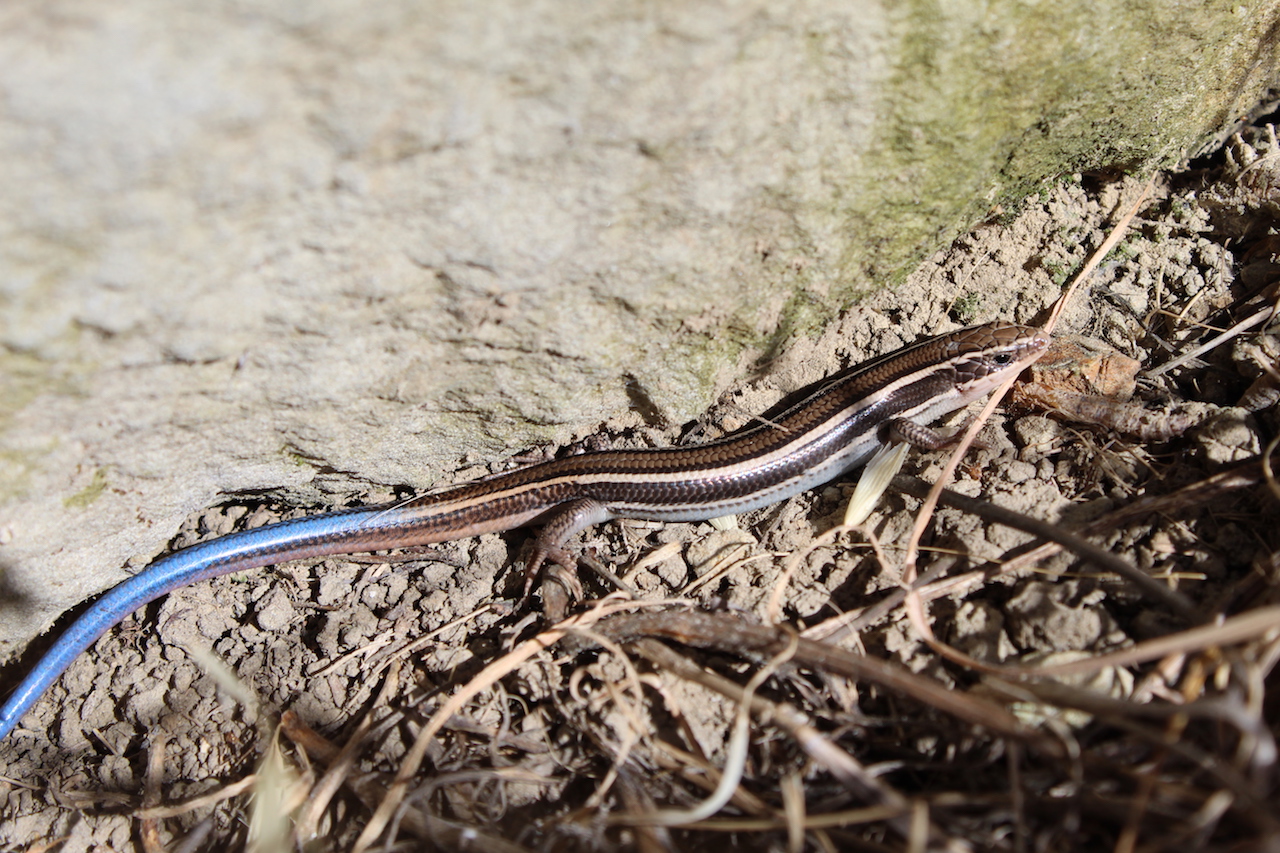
point(1003, 358)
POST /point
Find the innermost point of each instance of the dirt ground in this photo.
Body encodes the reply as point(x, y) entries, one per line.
point(863, 736)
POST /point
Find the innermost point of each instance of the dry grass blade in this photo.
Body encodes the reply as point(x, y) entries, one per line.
point(1193, 498)
point(226, 792)
point(1103, 559)
point(279, 792)
point(1255, 319)
point(914, 604)
point(1256, 624)
point(792, 790)
point(149, 831)
point(829, 820)
point(912, 601)
point(1112, 240)
point(948, 471)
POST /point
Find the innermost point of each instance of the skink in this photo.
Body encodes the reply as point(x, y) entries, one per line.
point(833, 430)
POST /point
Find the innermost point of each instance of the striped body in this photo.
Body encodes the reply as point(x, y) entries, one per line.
point(833, 430)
